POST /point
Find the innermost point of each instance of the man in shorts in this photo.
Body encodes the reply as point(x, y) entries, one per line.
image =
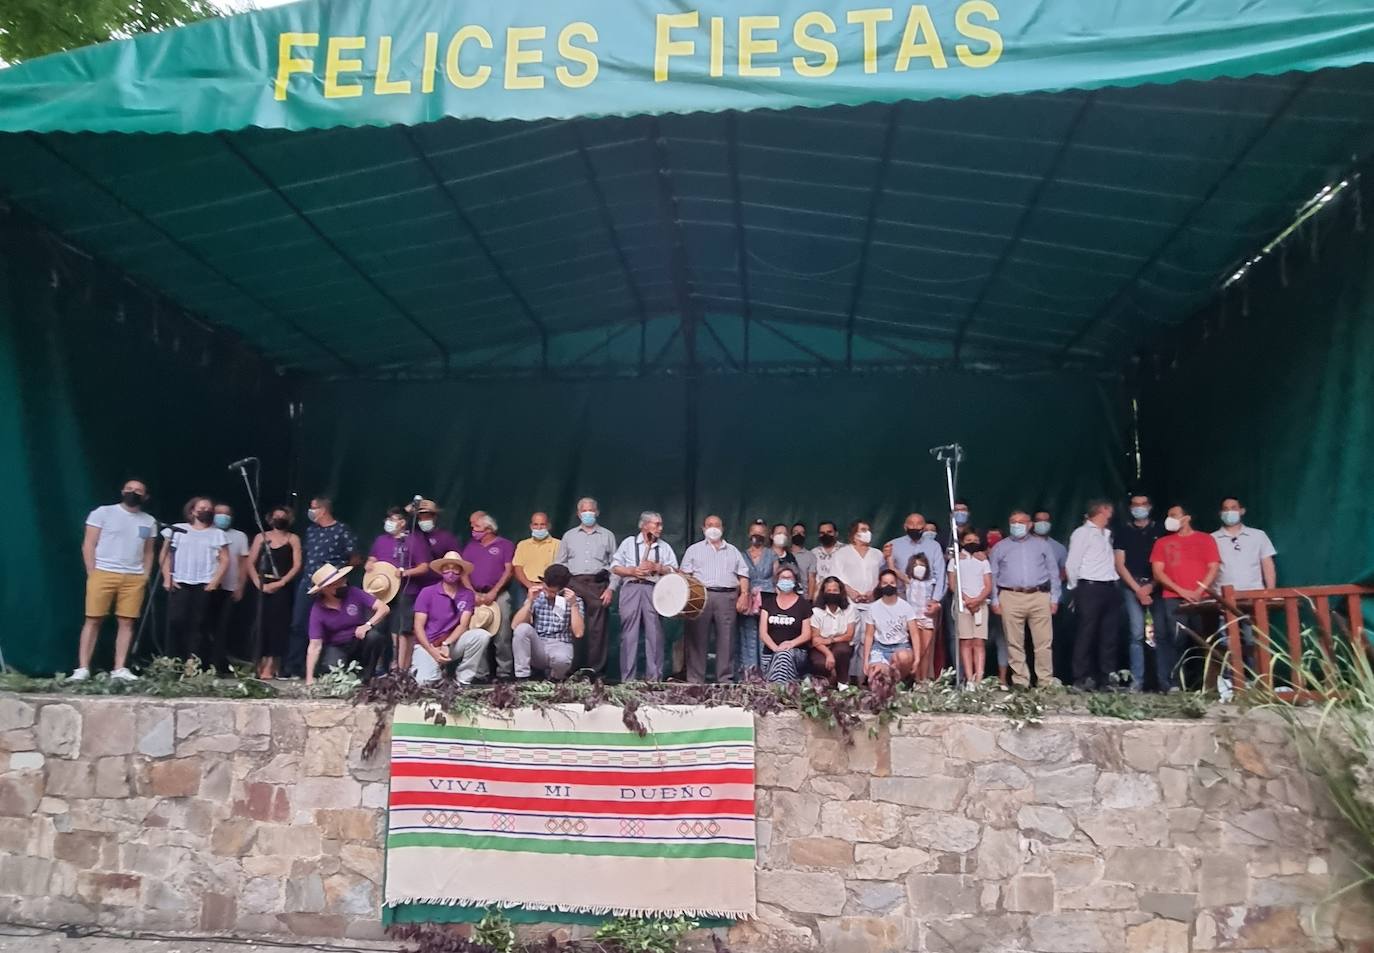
point(118, 551)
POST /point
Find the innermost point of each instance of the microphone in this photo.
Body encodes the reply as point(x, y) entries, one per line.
point(416, 498)
point(240, 464)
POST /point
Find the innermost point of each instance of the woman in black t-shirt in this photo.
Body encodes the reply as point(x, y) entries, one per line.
point(784, 628)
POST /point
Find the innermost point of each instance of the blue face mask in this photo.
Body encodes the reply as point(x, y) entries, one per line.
point(1042, 528)
point(1018, 530)
point(1230, 517)
point(928, 534)
point(539, 533)
point(588, 518)
point(961, 517)
point(1140, 512)
point(786, 585)
point(223, 521)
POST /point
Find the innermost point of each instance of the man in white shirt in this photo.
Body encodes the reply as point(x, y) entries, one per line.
point(118, 552)
point(635, 567)
point(722, 569)
point(1091, 573)
point(1247, 560)
point(232, 589)
point(193, 566)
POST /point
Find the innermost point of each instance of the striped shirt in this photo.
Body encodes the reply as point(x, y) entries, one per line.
point(718, 566)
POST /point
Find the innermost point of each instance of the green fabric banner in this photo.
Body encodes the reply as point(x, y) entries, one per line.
point(328, 63)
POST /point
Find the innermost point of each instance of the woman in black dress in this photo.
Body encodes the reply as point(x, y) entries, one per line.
point(274, 560)
point(784, 628)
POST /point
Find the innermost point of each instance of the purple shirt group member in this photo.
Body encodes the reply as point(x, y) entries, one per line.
point(343, 626)
point(439, 540)
point(410, 553)
point(491, 557)
point(443, 616)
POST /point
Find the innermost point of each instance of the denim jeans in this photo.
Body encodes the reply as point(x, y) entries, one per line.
point(1167, 640)
point(746, 645)
point(1135, 633)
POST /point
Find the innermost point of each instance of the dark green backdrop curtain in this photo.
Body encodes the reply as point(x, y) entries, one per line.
point(1277, 406)
point(88, 398)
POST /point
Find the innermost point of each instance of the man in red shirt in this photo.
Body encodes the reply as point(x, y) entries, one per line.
point(1185, 563)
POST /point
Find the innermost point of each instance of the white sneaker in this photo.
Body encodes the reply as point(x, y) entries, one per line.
point(80, 675)
point(123, 675)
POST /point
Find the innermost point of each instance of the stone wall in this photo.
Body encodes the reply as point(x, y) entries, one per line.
point(942, 834)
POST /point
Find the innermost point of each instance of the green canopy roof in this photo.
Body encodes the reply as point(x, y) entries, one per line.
point(662, 226)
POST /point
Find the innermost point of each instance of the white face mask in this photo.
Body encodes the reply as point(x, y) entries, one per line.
point(391, 526)
point(918, 571)
point(714, 533)
point(864, 536)
point(779, 539)
point(1172, 524)
point(426, 526)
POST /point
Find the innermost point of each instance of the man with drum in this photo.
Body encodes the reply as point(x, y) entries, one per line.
point(639, 563)
point(721, 568)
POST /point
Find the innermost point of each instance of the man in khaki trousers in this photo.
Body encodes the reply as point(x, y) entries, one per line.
point(1025, 591)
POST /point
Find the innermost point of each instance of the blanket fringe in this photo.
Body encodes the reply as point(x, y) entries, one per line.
point(598, 910)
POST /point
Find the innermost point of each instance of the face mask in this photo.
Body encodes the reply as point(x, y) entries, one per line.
point(1230, 517)
point(973, 547)
point(886, 591)
point(832, 598)
point(779, 540)
point(798, 539)
point(223, 521)
point(755, 540)
point(478, 533)
point(280, 522)
point(132, 499)
point(391, 526)
point(864, 536)
point(1140, 512)
point(1171, 524)
point(913, 534)
point(827, 540)
point(450, 576)
point(203, 516)
point(928, 534)
point(588, 518)
point(961, 517)
point(539, 534)
point(426, 526)
point(312, 514)
point(713, 533)
point(1042, 527)
point(1018, 530)
point(919, 571)
point(786, 585)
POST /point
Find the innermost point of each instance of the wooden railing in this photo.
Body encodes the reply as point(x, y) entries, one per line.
point(1261, 605)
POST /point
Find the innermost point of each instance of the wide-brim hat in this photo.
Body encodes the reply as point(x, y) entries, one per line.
point(326, 574)
point(382, 581)
point(487, 618)
point(450, 560)
point(424, 506)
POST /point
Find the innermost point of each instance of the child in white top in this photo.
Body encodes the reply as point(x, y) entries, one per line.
point(971, 618)
point(920, 593)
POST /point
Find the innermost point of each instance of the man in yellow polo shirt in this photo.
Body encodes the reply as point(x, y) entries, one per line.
point(534, 555)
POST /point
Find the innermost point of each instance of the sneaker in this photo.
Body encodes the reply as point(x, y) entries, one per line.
point(1003, 687)
point(80, 675)
point(123, 675)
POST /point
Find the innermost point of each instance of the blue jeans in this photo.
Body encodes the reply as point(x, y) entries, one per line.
point(746, 644)
point(1135, 634)
point(1167, 639)
point(294, 663)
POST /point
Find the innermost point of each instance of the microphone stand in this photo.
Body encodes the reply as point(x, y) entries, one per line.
point(265, 559)
point(150, 597)
point(951, 455)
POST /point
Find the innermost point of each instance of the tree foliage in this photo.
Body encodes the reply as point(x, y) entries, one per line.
point(30, 28)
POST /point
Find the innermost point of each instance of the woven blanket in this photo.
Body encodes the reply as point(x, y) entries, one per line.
point(566, 809)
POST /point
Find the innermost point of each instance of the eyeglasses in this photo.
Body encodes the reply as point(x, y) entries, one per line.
point(1235, 541)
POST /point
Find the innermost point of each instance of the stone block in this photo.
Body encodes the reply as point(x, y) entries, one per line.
point(261, 895)
point(25, 876)
point(821, 852)
point(326, 753)
point(1223, 880)
point(795, 814)
point(20, 793)
point(861, 820)
point(872, 862)
point(233, 837)
point(156, 731)
point(1189, 744)
point(112, 778)
point(980, 934)
point(15, 713)
point(352, 824)
point(1141, 828)
point(838, 788)
point(1292, 891)
point(1068, 787)
point(313, 794)
point(943, 832)
point(1077, 932)
point(350, 894)
point(1039, 745)
point(771, 932)
point(1102, 895)
point(176, 778)
point(999, 854)
point(1157, 936)
point(865, 935)
point(868, 896)
point(1049, 821)
point(1150, 868)
point(1000, 775)
point(305, 893)
point(26, 761)
point(913, 756)
point(287, 841)
point(82, 848)
point(374, 796)
point(938, 895)
point(870, 753)
point(53, 805)
point(327, 714)
point(313, 924)
point(1126, 791)
point(1072, 869)
point(108, 729)
point(364, 861)
point(59, 731)
point(782, 772)
point(20, 739)
point(1143, 749)
point(936, 794)
point(253, 719)
point(109, 889)
point(218, 912)
point(1173, 784)
point(1172, 906)
point(827, 756)
point(263, 802)
point(802, 892)
point(965, 741)
point(776, 734)
point(1029, 893)
point(1249, 928)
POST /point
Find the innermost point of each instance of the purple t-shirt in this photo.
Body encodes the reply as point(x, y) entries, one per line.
point(489, 561)
point(404, 553)
point(442, 611)
point(337, 626)
point(441, 542)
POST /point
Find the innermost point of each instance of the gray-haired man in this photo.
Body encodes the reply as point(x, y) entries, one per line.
point(635, 567)
point(586, 550)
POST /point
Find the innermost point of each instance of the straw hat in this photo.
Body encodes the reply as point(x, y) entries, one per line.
point(486, 617)
point(382, 581)
point(451, 560)
point(325, 575)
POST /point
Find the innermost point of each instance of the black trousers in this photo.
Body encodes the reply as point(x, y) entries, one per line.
point(593, 645)
point(223, 612)
point(367, 652)
point(190, 621)
point(1096, 648)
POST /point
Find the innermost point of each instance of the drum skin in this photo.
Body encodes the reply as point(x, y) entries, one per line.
point(679, 594)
